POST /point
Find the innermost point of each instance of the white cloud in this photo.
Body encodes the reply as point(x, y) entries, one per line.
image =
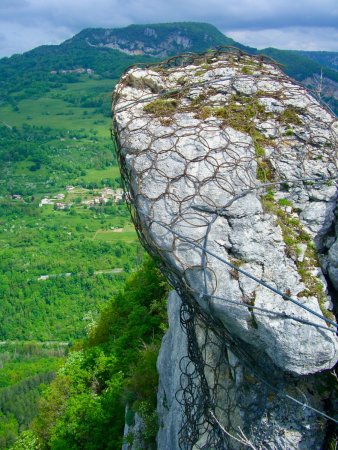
point(291, 38)
point(17, 38)
point(284, 23)
point(232, 13)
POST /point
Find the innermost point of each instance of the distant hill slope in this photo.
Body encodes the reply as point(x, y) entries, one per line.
point(109, 51)
point(299, 66)
point(32, 71)
point(157, 40)
point(328, 59)
point(319, 77)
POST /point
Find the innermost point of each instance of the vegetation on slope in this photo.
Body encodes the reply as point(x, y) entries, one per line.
point(59, 267)
point(29, 75)
point(328, 59)
point(84, 407)
point(26, 368)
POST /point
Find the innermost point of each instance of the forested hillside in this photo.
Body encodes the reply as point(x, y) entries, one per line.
point(67, 243)
point(114, 368)
point(328, 59)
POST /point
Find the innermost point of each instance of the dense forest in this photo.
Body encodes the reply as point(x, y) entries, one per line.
point(109, 373)
point(26, 368)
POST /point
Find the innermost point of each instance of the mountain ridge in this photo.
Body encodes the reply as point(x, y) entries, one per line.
point(171, 38)
point(109, 51)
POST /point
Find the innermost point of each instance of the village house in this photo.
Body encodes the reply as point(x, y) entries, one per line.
point(43, 277)
point(87, 203)
point(60, 196)
point(118, 195)
point(100, 200)
point(60, 205)
point(46, 201)
point(78, 70)
point(107, 192)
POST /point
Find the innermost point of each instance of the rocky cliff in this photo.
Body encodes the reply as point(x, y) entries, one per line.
point(158, 40)
point(230, 170)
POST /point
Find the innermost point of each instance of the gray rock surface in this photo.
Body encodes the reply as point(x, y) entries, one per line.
point(266, 420)
point(173, 349)
point(333, 264)
point(224, 157)
point(133, 434)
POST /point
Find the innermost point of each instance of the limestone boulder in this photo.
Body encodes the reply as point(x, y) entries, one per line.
point(226, 158)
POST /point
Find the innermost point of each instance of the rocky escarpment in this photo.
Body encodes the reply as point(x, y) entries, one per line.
point(231, 169)
point(158, 40)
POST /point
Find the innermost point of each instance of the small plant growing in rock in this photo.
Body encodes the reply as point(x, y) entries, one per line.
point(294, 235)
point(284, 202)
point(246, 70)
point(259, 150)
point(198, 73)
point(161, 107)
point(182, 81)
point(264, 171)
point(289, 132)
point(290, 116)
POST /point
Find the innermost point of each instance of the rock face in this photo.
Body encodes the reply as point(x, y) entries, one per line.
point(157, 40)
point(226, 160)
point(173, 350)
point(245, 406)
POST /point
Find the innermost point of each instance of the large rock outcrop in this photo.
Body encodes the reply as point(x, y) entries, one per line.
point(231, 169)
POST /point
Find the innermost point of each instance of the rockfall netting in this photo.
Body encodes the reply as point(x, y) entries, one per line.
point(221, 155)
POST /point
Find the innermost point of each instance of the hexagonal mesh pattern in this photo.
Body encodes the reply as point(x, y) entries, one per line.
point(201, 138)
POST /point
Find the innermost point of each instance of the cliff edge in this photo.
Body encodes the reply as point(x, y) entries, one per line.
point(230, 169)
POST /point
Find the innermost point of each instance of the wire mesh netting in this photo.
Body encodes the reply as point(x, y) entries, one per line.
point(219, 147)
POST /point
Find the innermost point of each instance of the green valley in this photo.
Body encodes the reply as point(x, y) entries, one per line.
point(67, 243)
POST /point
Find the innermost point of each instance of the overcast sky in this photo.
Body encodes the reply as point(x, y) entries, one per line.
point(290, 24)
